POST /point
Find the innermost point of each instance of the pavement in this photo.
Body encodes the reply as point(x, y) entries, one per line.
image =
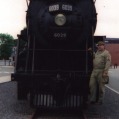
point(5, 73)
point(114, 79)
point(110, 108)
point(5, 63)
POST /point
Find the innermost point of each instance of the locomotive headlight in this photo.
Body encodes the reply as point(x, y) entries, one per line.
point(60, 19)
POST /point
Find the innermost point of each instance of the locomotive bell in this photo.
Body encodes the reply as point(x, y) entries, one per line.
point(60, 19)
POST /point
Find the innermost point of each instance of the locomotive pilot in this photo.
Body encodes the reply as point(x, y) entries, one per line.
point(101, 65)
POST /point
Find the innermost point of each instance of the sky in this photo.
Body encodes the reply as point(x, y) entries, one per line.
point(12, 17)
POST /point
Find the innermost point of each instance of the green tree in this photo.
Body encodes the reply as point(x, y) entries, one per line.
point(6, 44)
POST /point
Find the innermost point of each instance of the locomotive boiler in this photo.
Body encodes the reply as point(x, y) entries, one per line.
point(53, 64)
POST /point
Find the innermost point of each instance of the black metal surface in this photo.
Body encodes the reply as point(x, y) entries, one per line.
point(53, 62)
point(50, 92)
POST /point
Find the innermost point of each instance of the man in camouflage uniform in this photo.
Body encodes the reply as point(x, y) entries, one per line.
point(101, 65)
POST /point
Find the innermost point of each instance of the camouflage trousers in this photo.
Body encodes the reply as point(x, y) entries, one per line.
point(97, 85)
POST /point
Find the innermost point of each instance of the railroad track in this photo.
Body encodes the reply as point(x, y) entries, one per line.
point(40, 114)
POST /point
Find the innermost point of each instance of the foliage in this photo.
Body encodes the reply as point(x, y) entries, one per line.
point(6, 45)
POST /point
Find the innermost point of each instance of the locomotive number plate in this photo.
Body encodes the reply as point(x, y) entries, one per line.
point(53, 8)
point(67, 7)
point(60, 35)
point(57, 7)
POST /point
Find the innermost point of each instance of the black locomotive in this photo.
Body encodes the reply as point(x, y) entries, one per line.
point(53, 64)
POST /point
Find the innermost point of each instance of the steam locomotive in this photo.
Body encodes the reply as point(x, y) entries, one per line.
point(53, 64)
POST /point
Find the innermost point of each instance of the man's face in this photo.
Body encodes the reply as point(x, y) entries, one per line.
point(101, 47)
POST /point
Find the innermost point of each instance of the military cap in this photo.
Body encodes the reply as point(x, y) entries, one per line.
point(100, 43)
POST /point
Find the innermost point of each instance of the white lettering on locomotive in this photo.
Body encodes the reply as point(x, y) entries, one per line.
point(67, 7)
point(53, 7)
point(60, 35)
point(57, 7)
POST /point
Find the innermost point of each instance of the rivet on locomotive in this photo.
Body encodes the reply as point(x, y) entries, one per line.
point(53, 64)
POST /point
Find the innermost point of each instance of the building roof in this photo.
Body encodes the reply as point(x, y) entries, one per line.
point(112, 40)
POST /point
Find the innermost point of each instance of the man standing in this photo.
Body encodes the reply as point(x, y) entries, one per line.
point(101, 65)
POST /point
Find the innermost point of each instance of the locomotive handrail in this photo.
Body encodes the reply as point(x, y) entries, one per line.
point(55, 50)
point(94, 1)
point(27, 3)
point(64, 71)
point(33, 58)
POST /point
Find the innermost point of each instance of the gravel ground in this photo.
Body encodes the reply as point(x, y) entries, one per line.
point(108, 110)
point(11, 108)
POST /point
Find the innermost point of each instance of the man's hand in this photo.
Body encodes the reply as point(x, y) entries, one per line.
point(89, 49)
point(105, 74)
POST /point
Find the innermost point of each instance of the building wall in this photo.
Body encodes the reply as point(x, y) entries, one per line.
point(114, 51)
